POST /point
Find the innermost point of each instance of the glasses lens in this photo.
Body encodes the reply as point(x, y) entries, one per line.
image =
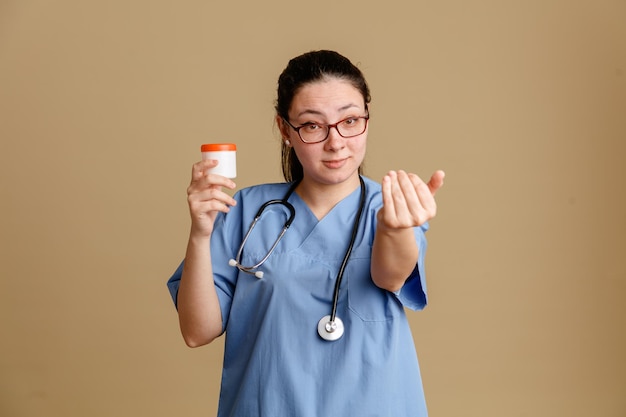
point(352, 127)
point(311, 133)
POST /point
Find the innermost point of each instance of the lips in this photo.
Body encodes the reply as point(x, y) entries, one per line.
point(335, 163)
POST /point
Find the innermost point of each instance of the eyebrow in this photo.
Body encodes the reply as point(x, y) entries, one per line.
point(319, 113)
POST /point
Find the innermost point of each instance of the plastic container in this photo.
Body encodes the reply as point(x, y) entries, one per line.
point(226, 154)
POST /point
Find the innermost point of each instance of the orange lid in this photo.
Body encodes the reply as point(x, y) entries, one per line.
point(214, 147)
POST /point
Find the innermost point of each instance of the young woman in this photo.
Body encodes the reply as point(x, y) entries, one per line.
point(318, 327)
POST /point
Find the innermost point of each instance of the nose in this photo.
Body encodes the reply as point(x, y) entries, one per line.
point(334, 140)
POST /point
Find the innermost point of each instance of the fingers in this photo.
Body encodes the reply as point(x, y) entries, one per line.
point(401, 203)
point(205, 194)
point(388, 211)
point(426, 199)
point(200, 175)
point(203, 201)
point(403, 195)
point(407, 200)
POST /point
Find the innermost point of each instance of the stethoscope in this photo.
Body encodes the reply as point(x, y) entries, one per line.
point(330, 327)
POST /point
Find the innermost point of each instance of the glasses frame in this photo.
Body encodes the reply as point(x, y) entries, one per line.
point(329, 126)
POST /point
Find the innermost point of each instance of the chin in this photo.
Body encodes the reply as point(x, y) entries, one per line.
point(334, 178)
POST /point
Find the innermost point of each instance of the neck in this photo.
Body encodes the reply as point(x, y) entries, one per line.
point(321, 198)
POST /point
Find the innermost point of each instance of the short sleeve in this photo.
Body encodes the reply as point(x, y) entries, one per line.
point(174, 282)
point(413, 294)
point(226, 231)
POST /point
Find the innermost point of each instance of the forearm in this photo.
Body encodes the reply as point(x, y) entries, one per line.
point(199, 311)
point(394, 256)
point(408, 202)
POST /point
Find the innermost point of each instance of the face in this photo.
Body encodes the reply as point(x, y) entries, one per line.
point(337, 159)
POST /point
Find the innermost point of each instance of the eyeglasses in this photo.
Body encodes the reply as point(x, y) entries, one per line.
point(318, 132)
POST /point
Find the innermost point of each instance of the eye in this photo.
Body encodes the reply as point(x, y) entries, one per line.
point(350, 121)
point(311, 127)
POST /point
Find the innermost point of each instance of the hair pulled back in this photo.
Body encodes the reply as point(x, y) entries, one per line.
point(305, 69)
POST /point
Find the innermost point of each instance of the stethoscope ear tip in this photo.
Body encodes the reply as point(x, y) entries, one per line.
point(258, 274)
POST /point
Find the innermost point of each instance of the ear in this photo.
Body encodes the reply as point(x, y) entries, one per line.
point(283, 127)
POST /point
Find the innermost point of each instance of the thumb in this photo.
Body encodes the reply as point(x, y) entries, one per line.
point(436, 181)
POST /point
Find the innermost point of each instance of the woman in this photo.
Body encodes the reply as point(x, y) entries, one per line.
point(290, 350)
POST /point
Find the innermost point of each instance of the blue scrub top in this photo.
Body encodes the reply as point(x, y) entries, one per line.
point(275, 363)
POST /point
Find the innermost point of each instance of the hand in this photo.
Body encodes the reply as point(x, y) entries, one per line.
point(206, 198)
point(407, 200)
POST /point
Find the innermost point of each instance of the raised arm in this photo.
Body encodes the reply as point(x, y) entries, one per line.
point(199, 311)
point(407, 202)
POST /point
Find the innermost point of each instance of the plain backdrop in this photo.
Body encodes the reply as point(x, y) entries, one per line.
point(104, 105)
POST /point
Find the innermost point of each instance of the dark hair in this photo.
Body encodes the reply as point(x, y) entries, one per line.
point(305, 69)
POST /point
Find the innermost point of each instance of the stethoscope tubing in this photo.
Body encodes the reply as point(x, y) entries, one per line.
point(355, 229)
point(329, 327)
point(292, 216)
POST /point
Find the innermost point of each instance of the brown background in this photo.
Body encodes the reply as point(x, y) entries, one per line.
point(103, 107)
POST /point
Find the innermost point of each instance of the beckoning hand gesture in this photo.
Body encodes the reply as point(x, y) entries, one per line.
point(407, 200)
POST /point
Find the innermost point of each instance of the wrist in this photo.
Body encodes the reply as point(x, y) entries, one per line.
point(197, 237)
point(382, 228)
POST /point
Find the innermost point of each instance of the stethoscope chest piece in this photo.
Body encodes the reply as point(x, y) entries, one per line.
point(330, 330)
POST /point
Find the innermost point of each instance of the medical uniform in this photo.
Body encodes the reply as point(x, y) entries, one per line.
point(275, 363)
